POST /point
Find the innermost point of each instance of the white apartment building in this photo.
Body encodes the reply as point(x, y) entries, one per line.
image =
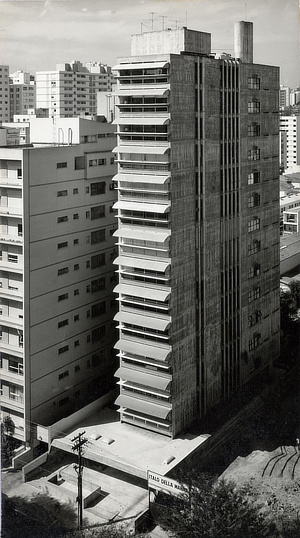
point(290, 214)
point(71, 89)
point(4, 93)
point(21, 93)
point(57, 276)
point(289, 141)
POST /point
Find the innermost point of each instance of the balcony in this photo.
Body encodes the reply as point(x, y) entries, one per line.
point(11, 292)
point(8, 321)
point(12, 349)
point(11, 211)
point(13, 377)
point(13, 401)
point(12, 266)
point(10, 179)
point(11, 238)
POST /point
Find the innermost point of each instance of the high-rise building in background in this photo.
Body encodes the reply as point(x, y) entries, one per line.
point(289, 141)
point(198, 225)
point(71, 89)
point(284, 97)
point(57, 274)
point(4, 93)
point(21, 92)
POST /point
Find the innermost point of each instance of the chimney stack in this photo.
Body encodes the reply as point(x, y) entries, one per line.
point(243, 41)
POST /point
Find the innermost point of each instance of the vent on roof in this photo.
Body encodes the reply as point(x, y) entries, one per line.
point(107, 440)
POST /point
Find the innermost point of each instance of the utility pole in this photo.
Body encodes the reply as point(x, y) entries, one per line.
point(79, 441)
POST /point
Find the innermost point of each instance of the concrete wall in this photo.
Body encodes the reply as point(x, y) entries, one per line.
point(66, 424)
point(170, 41)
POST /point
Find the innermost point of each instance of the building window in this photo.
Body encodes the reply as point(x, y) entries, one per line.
point(76, 317)
point(98, 236)
point(254, 177)
point(98, 309)
point(79, 163)
point(254, 200)
point(62, 219)
point(98, 212)
point(62, 245)
point(254, 129)
point(75, 216)
point(62, 193)
point(254, 270)
point(254, 224)
point(101, 162)
point(75, 191)
point(76, 292)
point(98, 188)
point(64, 401)
point(254, 294)
point(63, 297)
point(98, 261)
point(76, 343)
point(254, 82)
point(254, 154)
point(98, 334)
point(254, 247)
point(64, 374)
point(254, 341)
point(76, 266)
point(77, 368)
point(62, 271)
point(254, 318)
point(63, 323)
point(98, 284)
point(12, 258)
point(62, 165)
point(76, 241)
point(254, 107)
point(63, 349)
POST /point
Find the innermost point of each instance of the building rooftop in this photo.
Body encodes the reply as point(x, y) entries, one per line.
point(289, 246)
point(128, 448)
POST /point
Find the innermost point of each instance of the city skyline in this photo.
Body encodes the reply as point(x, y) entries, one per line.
point(35, 35)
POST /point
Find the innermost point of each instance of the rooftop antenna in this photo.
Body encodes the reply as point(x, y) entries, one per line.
point(186, 19)
point(245, 11)
point(152, 13)
point(163, 17)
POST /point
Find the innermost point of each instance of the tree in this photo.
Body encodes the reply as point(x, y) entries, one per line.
point(41, 515)
point(213, 510)
point(295, 291)
point(288, 309)
point(7, 441)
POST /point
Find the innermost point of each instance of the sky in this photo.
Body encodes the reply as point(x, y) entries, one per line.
point(35, 35)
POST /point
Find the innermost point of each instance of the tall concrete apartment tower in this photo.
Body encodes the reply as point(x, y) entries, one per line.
point(198, 231)
point(57, 274)
point(4, 93)
point(71, 90)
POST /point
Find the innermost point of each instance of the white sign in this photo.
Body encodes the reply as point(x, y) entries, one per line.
point(163, 483)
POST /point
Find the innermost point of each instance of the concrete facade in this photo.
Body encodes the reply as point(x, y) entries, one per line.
point(4, 93)
point(57, 277)
point(198, 228)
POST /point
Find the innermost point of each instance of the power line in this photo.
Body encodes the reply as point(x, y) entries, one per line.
point(79, 441)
